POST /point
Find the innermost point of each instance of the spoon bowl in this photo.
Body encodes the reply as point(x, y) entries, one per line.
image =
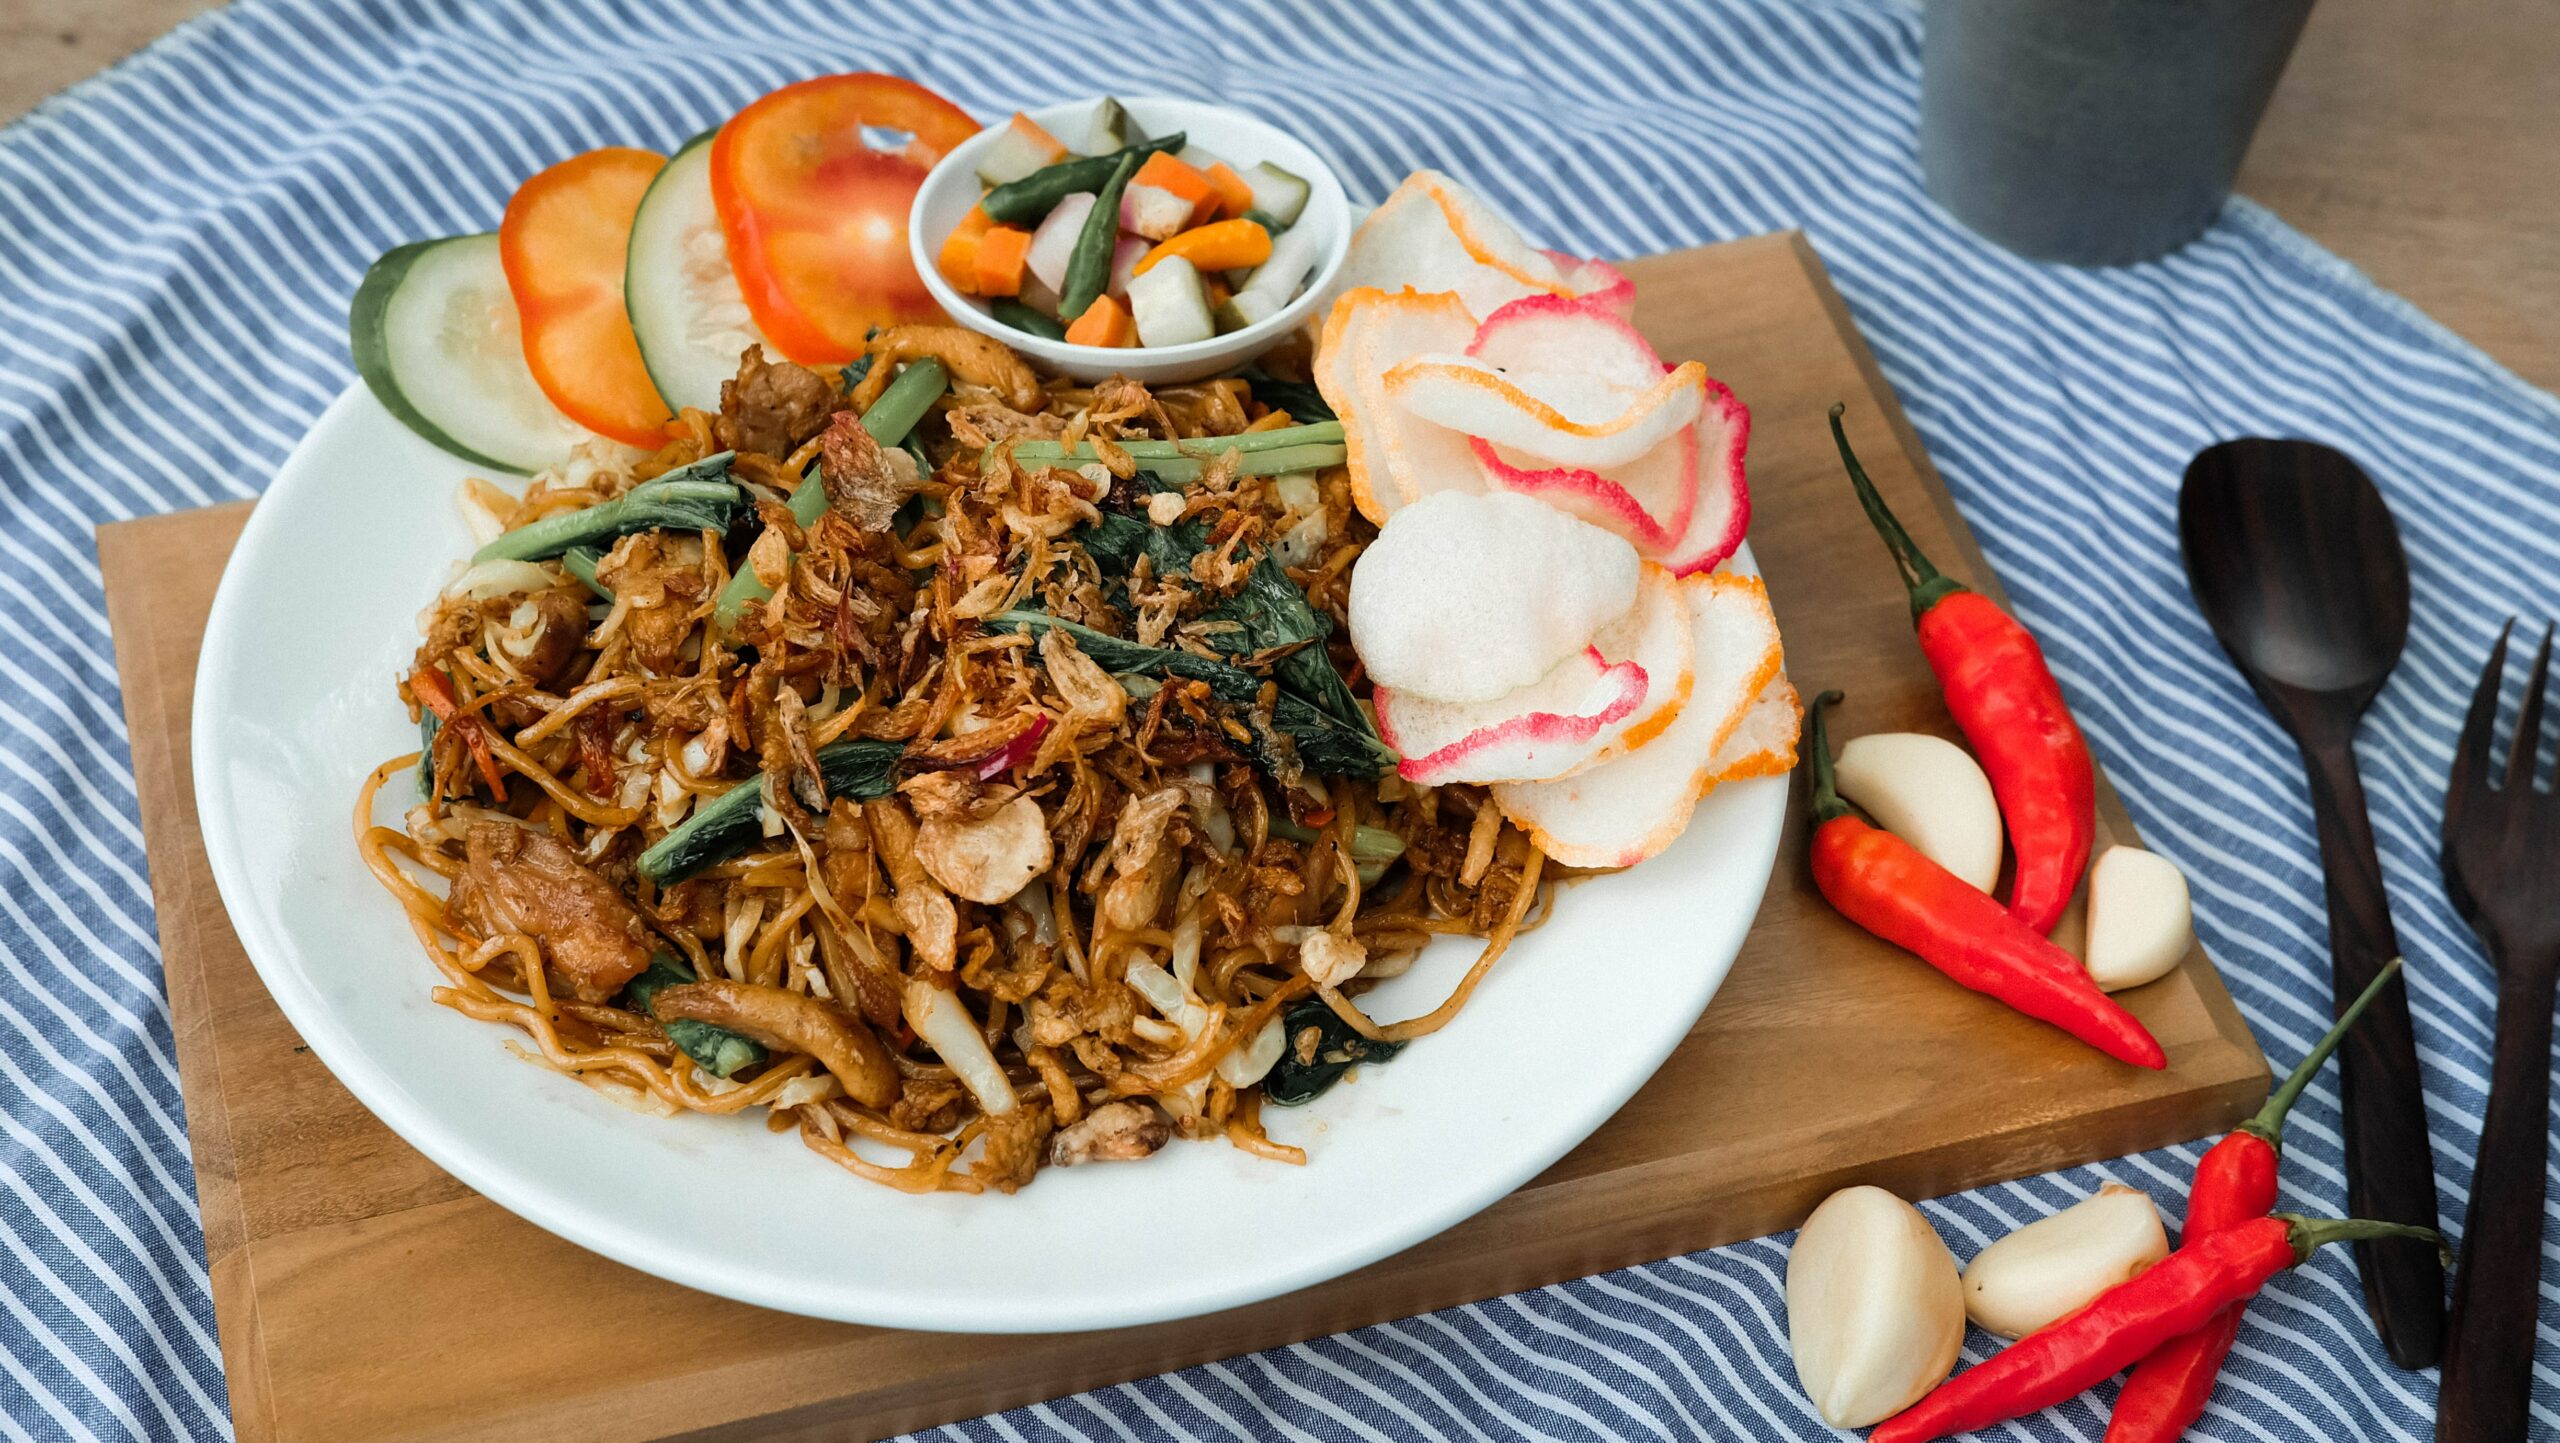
point(2297, 565)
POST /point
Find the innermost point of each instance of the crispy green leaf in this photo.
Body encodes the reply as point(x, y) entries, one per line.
point(717, 1050)
point(1338, 1049)
point(861, 768)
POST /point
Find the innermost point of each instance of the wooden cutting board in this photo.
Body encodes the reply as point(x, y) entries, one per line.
point(364, 1294)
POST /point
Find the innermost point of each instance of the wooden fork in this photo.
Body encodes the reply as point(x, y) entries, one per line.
point(2502, 869)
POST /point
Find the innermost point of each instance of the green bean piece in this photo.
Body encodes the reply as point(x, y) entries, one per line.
point(1027, 201)
point(1089, 264)
point(1026, 320)
point(901, 405)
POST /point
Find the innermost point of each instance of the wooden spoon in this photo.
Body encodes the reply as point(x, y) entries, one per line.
point(2294, 558)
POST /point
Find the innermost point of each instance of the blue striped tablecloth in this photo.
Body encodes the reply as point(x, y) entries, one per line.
point(178, 239)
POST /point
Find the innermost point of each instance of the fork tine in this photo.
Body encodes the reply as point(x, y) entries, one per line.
point(2471, 750)
point(2526, 750)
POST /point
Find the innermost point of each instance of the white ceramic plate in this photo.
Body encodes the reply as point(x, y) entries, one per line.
point(316, 618)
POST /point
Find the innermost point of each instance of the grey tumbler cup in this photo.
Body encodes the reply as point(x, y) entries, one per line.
point(2097, 132)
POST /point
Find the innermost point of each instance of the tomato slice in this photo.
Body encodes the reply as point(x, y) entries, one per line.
point(816, 218)
point(566, 233)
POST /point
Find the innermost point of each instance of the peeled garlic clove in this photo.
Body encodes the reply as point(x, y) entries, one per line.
point(1929, 792)
point(2056, 1265)
point(1875, 1314)
point(2140, 921)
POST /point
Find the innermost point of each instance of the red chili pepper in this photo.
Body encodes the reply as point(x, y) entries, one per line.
point(2175, 1296)
point(2005, 700)
point(2235, 1181)
point(435, 691)
point(1887, 886)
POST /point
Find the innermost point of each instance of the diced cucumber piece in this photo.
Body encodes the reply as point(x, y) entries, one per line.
point(1274, 284)
point(686, 309)
point(1243, 309)
point(1113, 128)
point(1153, 212)
point(436, 338)
point(1169, 306)
point(1275, 191)
point(1020, 149)
point(1293, 258)
point(1198, 158)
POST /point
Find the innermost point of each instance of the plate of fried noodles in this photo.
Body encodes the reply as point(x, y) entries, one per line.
point(914, 848)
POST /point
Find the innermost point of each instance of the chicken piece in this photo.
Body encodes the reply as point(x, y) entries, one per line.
point(928, 1105)
point(970, 358)
point(931, 923)
point(865, 484)
point(773, 406)
point(983, 425)
point(517, 880)
point(661, 577)
point(789, 1021)
point(1015, 1143)
point(555, 627)
point(1114, 1132)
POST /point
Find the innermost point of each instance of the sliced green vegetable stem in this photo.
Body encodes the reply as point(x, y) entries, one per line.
point(1370, 846)
point(581, 562)
point(1182, 470)
point(901, 405)
point(1326, 433)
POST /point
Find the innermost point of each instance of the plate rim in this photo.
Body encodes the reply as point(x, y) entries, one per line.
point(586, 1223)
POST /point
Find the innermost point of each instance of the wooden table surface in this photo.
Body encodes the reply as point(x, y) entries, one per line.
point(2415, 139)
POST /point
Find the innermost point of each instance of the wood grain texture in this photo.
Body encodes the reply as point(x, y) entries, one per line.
point(2297, 564)
point(354, 1283)
point(2417, 142)
point(2500, 840)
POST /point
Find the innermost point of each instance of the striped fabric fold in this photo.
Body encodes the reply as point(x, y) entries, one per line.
point(178, 239)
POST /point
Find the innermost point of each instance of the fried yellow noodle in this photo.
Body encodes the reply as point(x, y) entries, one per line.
point(1012, 894)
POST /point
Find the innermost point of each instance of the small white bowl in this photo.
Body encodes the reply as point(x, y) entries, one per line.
point(1233, 136)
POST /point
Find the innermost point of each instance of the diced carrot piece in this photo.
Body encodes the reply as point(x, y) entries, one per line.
point(1221, 245)
point(1002, 254)
point(958, 259)
point(1104, 323)
point(1234, 196)
point(1215, 290)
point(1167, 171)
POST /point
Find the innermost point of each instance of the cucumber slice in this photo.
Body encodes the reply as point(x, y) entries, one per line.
point(1113, 128)
point(436, 338)
point(1169, 306)
point(1276, 191)
point(1020, 148)
point(1243, 309)
point(686, 310)
point(1293, 258)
